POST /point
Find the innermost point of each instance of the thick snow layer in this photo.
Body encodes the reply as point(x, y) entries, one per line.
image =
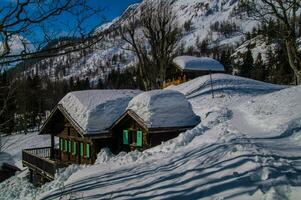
point(96, 110)
point(270, 113)
point(221, 158)
point(198, 63)
point(12, 146)
point(164, 108)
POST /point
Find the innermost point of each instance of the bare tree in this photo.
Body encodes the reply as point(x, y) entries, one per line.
point(30, 25)
point(284, 12)
point(153, 38)
point(22, 19)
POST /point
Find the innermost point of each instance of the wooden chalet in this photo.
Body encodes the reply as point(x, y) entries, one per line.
point(85, 122)
point(79, 128)
point(153, 117)
point(189, 67)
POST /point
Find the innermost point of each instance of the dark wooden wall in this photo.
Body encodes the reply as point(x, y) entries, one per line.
point(70, 134)
point(128, 123)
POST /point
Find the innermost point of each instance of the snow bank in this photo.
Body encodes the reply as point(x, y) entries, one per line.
point(164, 108)
point(198, 63)
point(96, 110)
point(13, 145)
point(277, 114)
point(225, 84)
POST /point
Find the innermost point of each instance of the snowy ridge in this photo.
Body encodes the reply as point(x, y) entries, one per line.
point(163, 108)
point(96, 110)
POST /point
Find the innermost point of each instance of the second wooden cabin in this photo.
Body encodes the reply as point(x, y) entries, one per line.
point(151, 118)
point(189, 67)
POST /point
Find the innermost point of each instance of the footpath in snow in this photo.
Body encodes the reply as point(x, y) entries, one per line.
point(248, 146)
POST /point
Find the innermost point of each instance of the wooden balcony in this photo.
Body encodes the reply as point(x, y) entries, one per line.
point(44, 161)
point(174, 82)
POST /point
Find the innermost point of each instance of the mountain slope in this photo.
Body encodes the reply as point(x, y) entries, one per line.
point(205, 18)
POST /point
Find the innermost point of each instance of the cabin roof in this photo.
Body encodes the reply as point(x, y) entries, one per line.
point(94, 111)
point(163, 109)
point(192, 63)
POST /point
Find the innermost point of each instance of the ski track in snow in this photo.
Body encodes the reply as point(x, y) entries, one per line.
point(227, 156)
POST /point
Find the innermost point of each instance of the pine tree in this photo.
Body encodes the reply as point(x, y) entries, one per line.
point(258, 71)
point(247, 65)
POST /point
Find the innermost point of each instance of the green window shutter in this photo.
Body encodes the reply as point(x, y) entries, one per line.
point(125, 137)
point(81, 149)
point(74, 148)
point(139, 138)
point(66, 145)
point(70, 147)
point(88, 150)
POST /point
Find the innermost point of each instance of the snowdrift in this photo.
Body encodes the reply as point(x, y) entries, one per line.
point(277, 114)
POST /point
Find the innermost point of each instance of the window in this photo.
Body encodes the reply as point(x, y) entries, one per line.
point(133, 137)
point(74, 148)
point(125, 137)
point(88, 150)
point(70, 147)
point(82, 149)
point(61, 144)
point(139, 139)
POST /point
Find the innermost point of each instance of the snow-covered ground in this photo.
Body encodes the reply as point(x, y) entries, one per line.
point(248, 146)
point(13, 145)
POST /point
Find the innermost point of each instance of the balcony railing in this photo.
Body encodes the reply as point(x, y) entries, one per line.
point(45, 160)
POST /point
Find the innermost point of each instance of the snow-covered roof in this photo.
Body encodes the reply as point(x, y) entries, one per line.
point(198, 63)
point(95, 110)
point(163, 108)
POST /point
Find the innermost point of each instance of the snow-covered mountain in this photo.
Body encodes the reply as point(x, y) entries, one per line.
point(202, 19)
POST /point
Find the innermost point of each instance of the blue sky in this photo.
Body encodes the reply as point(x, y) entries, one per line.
point(62, 24)
point(112, 9)
point(115, 7)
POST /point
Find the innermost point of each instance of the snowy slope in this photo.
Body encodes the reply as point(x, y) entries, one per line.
point(13, 145)
point(222, 158)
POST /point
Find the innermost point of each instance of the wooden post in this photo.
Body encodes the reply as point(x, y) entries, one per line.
point(52, 147)
point(211, 83)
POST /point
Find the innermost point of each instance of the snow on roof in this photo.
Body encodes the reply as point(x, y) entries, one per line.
point(164, 108)
point(96, 110)
point(198, 63)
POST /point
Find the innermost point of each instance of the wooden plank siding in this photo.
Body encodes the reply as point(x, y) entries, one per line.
point(68, 155)
point(151, 136)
